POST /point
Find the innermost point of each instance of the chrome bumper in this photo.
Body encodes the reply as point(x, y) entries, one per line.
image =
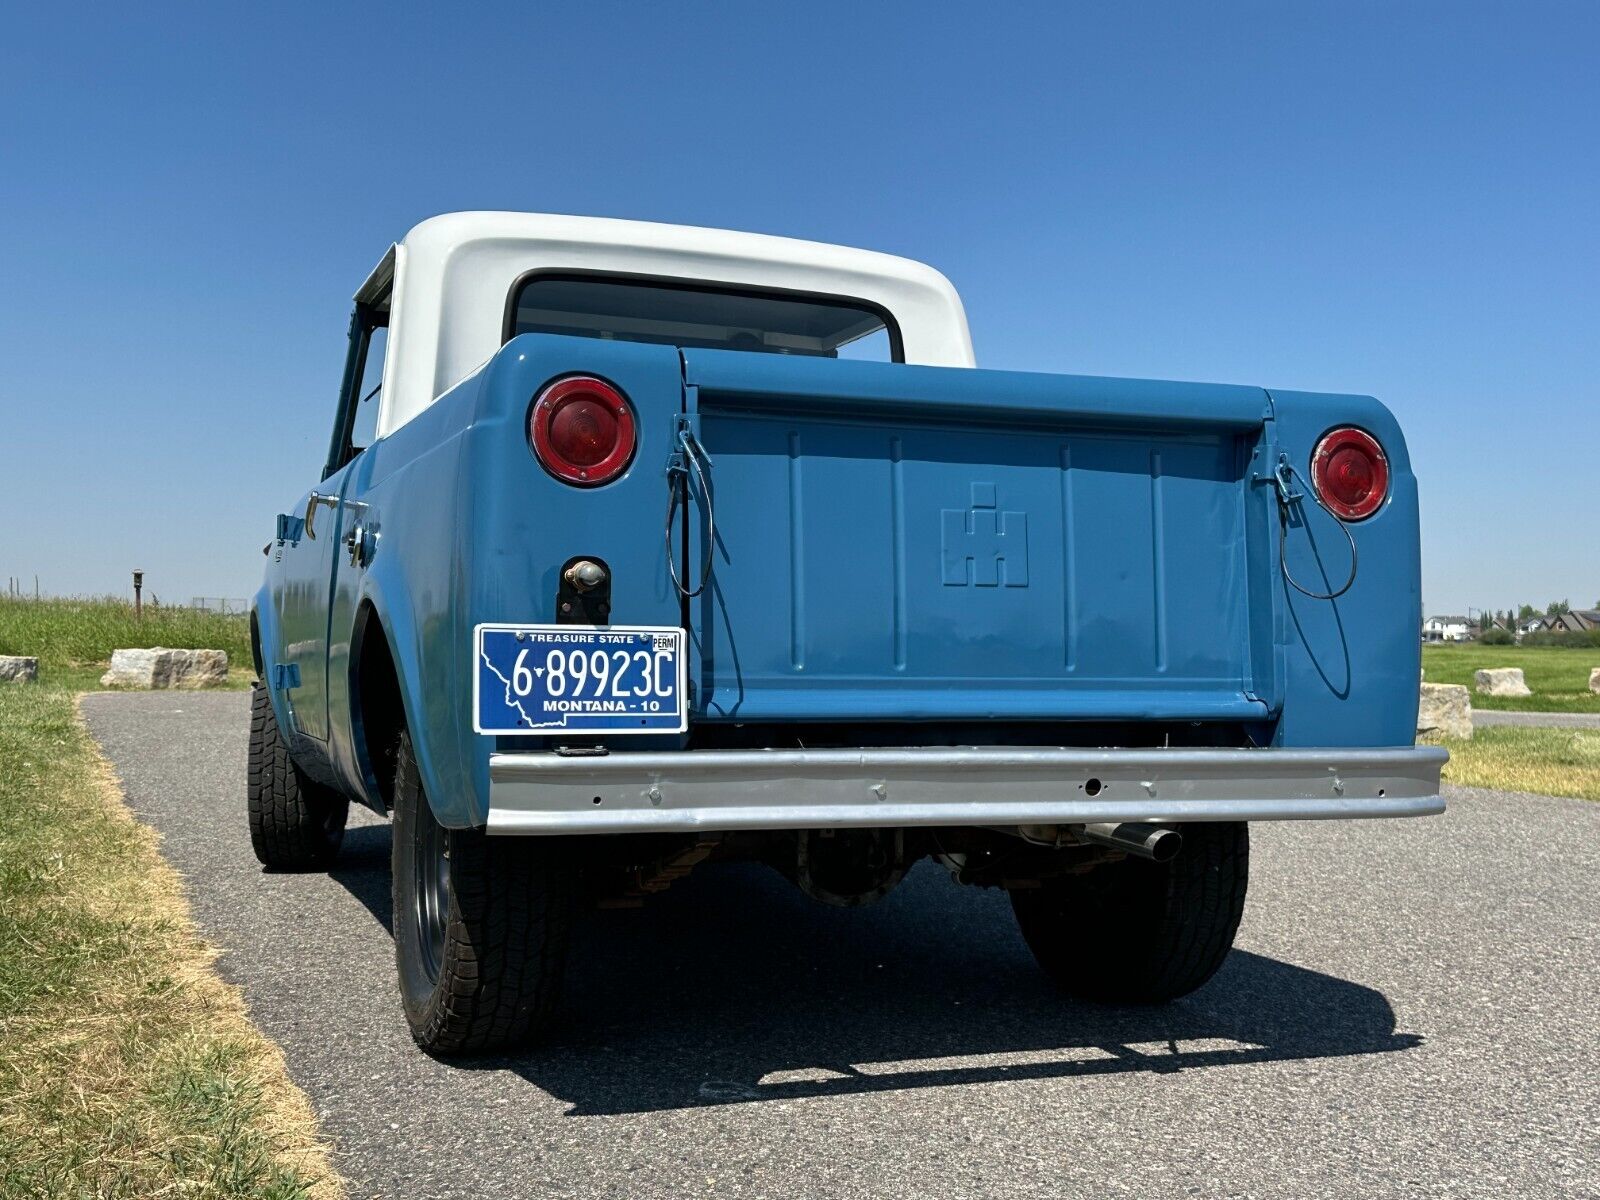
point(660, 792)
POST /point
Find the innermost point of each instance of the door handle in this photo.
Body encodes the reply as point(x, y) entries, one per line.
point(312, 501)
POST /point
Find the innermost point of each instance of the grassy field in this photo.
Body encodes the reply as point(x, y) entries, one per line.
point(73, 638)
point(1555, 762)
point(1558, 677)
point(127, 1067)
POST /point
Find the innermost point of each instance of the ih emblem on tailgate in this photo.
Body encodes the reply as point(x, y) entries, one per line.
point(983, 546)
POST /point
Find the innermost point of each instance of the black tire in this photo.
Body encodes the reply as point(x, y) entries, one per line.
point(480, 937)
point(1138, 932)
point(296, 824)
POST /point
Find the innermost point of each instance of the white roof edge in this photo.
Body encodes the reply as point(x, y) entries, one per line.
point(381, 277)
point(726, 245)
point(453, 274)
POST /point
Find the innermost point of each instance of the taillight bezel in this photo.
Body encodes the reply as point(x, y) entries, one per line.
point(1346, 437)
point(556, 395)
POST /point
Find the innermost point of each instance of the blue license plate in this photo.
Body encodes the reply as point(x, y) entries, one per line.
point(546, 679)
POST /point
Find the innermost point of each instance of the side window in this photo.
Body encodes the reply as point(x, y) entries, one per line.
point(361, 394)
point(364, 424)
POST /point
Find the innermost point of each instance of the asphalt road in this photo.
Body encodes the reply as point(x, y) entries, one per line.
point(1413, 1010)
point(1545, 720)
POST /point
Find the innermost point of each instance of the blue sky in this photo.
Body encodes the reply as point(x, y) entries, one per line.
point(1385, 198)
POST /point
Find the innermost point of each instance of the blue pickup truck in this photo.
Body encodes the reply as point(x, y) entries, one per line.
point(639, 546)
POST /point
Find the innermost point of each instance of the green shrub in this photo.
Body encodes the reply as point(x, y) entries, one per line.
point(1495, 637)
point(1586, 640)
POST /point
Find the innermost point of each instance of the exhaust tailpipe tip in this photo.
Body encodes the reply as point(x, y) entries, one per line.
point(1154, 842)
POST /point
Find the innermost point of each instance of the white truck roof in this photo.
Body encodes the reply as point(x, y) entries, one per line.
point(452, 277)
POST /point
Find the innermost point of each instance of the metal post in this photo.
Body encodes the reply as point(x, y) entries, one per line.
point(138, 595)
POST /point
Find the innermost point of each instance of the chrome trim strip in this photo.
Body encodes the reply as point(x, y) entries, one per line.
point(665, 791)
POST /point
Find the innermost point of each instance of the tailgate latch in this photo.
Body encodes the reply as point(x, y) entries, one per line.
point(1284, 477)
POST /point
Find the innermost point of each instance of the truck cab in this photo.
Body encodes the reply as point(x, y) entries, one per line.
point(639, 546)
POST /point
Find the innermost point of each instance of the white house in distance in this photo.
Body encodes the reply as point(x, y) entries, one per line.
point(1444, 629)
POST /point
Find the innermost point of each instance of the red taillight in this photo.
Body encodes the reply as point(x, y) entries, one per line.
point(582, 430)
point(1350, 472)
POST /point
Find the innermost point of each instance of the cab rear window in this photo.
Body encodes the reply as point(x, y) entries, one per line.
point(695, 315)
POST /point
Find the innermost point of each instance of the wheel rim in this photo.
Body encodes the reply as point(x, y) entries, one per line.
point(431, 879)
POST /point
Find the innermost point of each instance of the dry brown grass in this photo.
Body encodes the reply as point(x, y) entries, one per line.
point(1551, 762)
point(128, 1068)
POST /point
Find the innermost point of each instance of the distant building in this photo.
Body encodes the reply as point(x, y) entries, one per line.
point(1445, 629)
point(1579, 620)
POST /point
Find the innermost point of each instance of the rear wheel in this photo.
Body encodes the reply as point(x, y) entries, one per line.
point(481, 927)
point(1138, 932)
point(296, 824)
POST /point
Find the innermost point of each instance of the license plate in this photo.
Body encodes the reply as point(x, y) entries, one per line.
point(549, 679)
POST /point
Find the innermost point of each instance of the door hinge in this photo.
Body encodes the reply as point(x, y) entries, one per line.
point(289, 529)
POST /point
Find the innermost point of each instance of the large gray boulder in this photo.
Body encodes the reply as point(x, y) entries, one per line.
point(162, 668)
point(1445, 710)
point(1500, 681)
point(18, 668)
point(1594, 679)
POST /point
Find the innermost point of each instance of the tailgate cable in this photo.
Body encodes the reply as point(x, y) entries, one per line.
point(686, 460)
point(1289, 495)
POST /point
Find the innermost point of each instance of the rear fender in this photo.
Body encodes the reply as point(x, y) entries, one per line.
point(452, 792)
point(1350, 664)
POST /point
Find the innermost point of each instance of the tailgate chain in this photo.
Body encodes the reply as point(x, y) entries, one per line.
point(1288, 496)
point(686, 460)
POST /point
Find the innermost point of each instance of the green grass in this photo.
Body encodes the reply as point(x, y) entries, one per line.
point(127, 1067)
point(1558, 677)
point(73, 638)
point(1553, 762)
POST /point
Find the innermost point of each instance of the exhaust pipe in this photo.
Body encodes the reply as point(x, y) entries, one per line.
point(1154, 842)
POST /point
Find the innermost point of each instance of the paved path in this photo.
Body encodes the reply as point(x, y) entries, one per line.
point(1485, 716)
point(1412, 1012)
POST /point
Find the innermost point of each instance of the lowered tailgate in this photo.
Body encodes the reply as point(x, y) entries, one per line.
point(898, 542)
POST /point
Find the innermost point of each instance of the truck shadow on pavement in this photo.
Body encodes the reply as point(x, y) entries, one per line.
point(733, 987)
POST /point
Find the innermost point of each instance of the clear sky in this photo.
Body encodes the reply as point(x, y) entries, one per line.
point(1399, 199)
